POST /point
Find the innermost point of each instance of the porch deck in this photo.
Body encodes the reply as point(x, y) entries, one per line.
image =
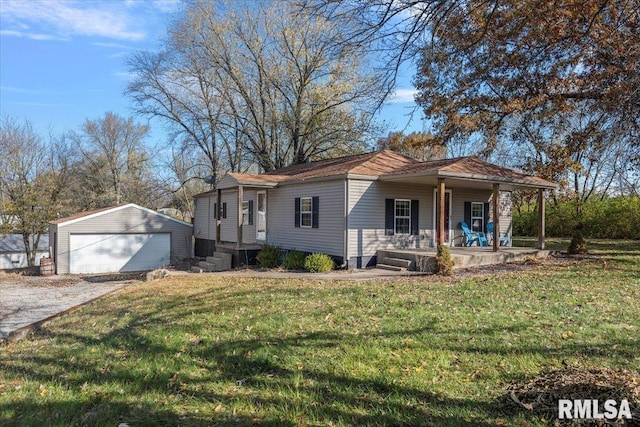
point(463, 257)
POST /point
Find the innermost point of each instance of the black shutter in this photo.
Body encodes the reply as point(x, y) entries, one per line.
point(415, 227)
point(224, 209)
point(486, 216)
point(315, 207)
point(389, 216)
point(250, 212)
point(297, 212)
point(467, 214)
point(215, 210)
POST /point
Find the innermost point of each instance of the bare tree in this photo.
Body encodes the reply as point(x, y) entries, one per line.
point(114, 165)
point(260, 82)
point(32, 183)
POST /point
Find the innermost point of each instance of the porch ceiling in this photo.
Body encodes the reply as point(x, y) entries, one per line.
point(474, 181)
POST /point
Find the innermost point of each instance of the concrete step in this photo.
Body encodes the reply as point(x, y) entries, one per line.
point(206, 265)
point(221, 258)
point(397, 262)
point(196, 269)
point(211, 266)
point(390, 267)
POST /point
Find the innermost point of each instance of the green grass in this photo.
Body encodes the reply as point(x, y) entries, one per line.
point(198, 350)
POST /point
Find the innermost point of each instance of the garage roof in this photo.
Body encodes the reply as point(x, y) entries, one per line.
point(103, 211)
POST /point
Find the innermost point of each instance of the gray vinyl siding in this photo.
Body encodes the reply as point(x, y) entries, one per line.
point(506, 218)
point(366, 217)
point(229, 226)
point(204, 221)
point(458, 197)
point(129, 220)
point(328, 238)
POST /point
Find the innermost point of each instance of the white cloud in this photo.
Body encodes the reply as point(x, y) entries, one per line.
point(111, 45)
point(125, 75)
point(62, 19)
point(403, 96)
point(18, 90)
point(167, 6)
point(28, 35)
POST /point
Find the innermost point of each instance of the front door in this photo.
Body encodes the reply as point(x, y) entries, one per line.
point(261, 229)
point(447, 215)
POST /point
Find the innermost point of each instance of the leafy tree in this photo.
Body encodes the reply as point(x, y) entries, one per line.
point(549, 87)
point(32, 183)
point(421, 146)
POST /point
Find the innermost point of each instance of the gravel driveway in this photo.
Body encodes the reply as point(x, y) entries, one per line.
point(25, 300)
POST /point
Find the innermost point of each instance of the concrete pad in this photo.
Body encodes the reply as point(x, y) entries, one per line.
point(26, 306)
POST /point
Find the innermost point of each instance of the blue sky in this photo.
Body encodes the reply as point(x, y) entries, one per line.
point(62, 62)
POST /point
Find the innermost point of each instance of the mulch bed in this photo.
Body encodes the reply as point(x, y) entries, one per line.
point(540, 395)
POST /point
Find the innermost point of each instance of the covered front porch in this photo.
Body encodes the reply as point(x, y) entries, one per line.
point(472, 174)
point(424, 260)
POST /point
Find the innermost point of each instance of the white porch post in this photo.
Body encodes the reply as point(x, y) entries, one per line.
point(496, 217)
point(440, 210)
point(541, 222)
point(239, 233)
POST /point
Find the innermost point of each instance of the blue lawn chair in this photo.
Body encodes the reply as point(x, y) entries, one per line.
point(503, 241)
point(473, 236)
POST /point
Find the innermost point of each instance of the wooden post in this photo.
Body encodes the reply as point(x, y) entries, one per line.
point(218, 216)
point(240, 197)
point(496, 217)
point(541, 225)
point(440, 210)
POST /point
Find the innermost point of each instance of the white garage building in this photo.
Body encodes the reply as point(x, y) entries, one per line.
point(119, 238)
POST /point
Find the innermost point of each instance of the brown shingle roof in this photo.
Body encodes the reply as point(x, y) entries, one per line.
point(256, 178)
point(387, 163)
point(472, 166)
point(373, 164)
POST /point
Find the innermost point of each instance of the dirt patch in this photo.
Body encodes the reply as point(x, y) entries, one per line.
point(541, 394)
point(527, 264)
point(7, 279)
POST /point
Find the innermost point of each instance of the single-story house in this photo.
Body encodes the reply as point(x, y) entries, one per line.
point(353, 206)
point(119, 238)
point(12, 251)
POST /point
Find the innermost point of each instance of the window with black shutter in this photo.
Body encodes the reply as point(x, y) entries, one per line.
point(306, 212)
point(401, 217)
point(247, 212)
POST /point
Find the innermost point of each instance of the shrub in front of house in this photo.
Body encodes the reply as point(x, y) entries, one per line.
point(444, 263)
point(269, 256)
point(294, 260)
point(318, 263)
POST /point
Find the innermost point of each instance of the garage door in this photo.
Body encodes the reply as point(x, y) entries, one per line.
point(107, 253)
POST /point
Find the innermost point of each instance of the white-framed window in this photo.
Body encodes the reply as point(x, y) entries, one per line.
point(477, 216)
point(402, 218)
point(245, 213)
point(306, 212)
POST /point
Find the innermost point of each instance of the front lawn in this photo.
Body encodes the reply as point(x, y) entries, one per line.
point(198, 350)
